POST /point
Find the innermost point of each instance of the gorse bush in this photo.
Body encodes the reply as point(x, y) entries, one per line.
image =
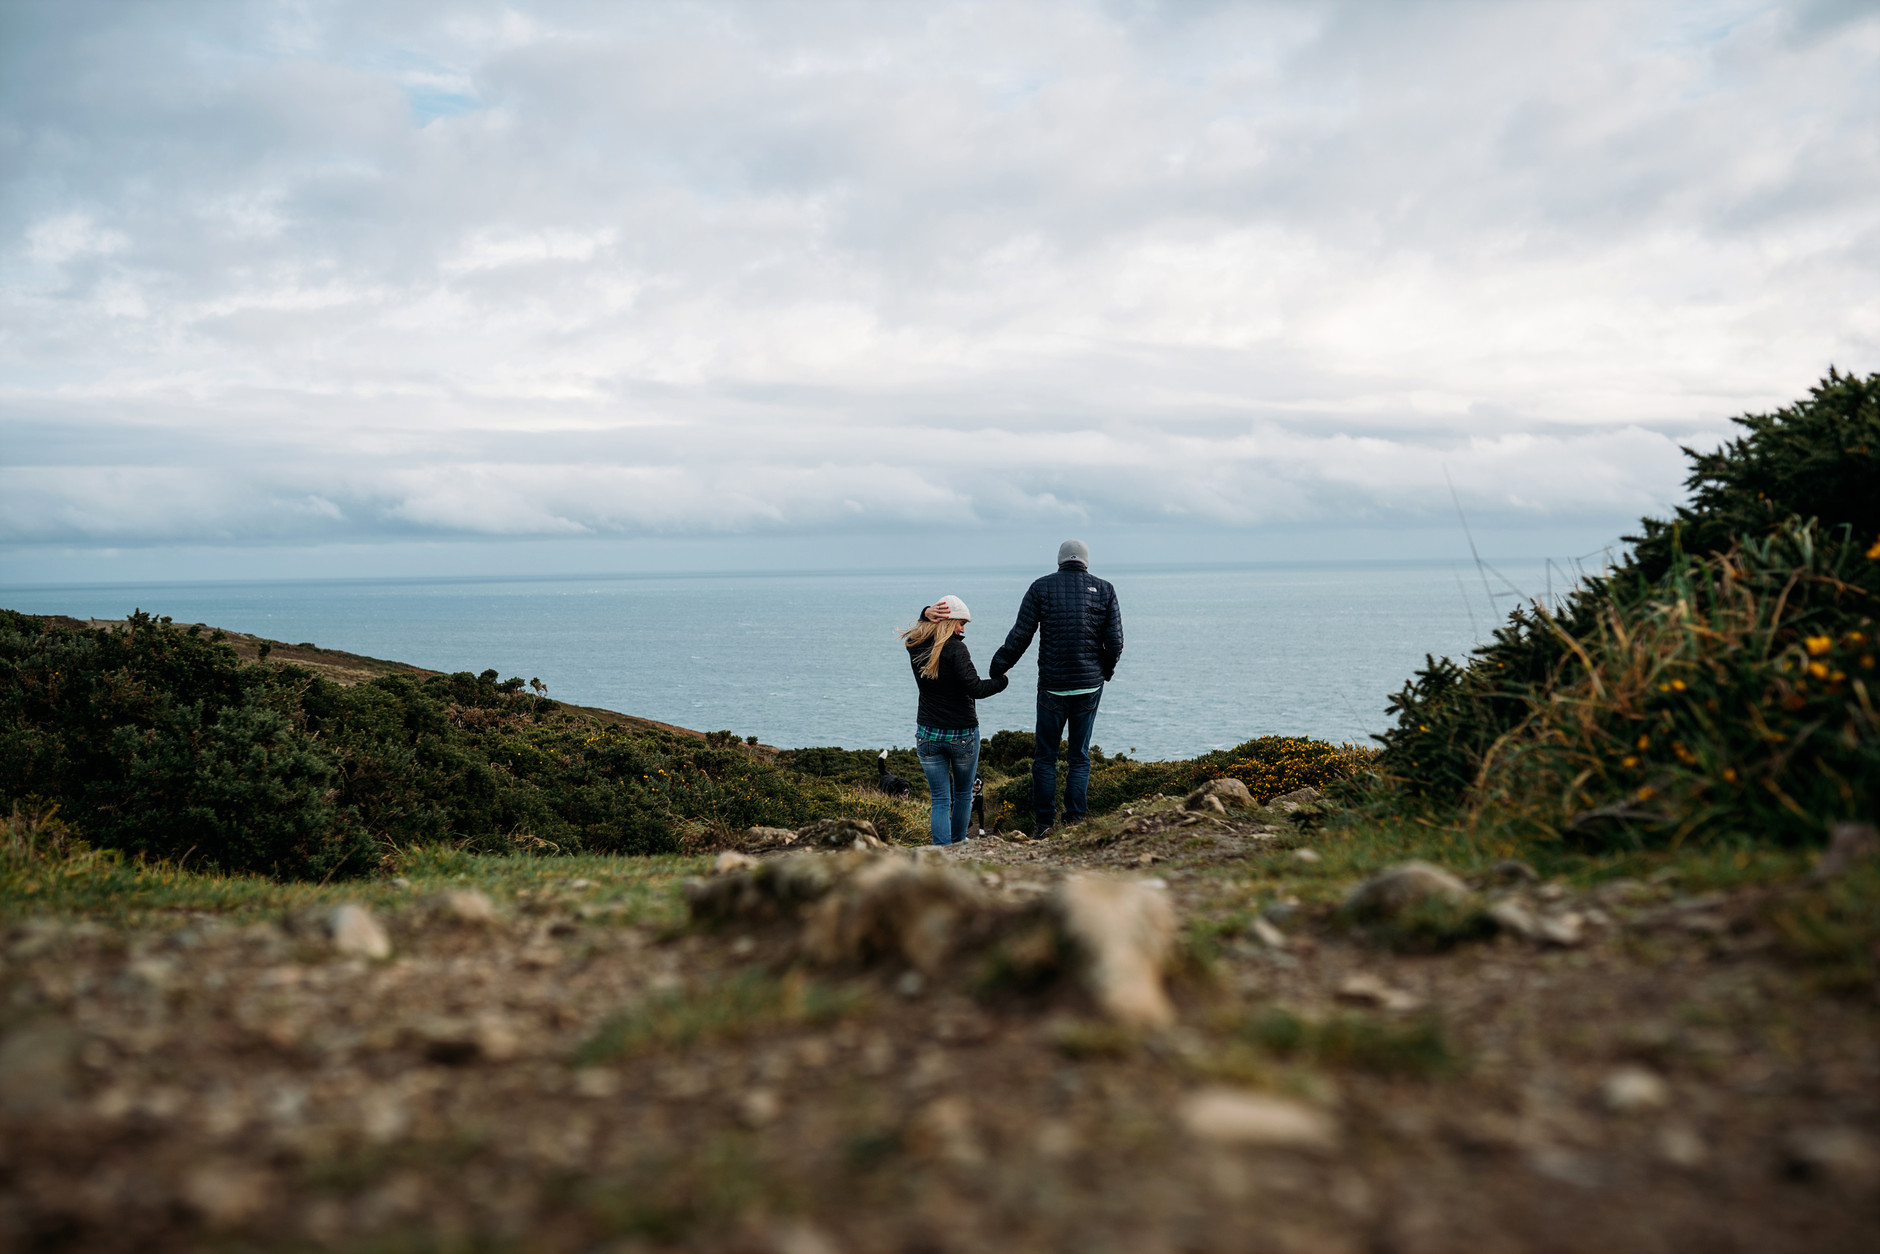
point(1718, 681)
point(157, 740)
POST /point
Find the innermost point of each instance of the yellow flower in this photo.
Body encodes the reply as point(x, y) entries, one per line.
point(1628, 762)
point(1645, 793)
point(1644, 742)
point(1873, 554)
point(1678, 685)
point(1729, 774)
point(1818, 669)
point(1818, 645)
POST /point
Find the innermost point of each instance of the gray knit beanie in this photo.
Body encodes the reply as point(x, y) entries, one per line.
point(1074, 551)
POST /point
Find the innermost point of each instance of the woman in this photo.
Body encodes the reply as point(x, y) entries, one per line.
point(946, 731)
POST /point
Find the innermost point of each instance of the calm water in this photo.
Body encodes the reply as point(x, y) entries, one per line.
point(1213, 655)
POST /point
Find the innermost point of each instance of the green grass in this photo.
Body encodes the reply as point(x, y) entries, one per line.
point(727, 1009)
point(1418, 1047)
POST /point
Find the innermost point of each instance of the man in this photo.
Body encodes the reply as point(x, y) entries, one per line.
point(1083, 638)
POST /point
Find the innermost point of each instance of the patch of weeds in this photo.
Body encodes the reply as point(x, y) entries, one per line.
point(725, 1010)
point(1834, 929)
point(1360, 1042)
point(1091, 1039)
point(1430, 926)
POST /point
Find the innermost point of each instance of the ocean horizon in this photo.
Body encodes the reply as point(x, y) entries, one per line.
point(1215, 654)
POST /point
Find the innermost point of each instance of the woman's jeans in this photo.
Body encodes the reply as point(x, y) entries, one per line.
point(950, 766)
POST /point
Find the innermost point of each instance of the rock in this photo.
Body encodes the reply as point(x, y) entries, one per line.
point(1513, 871)
point(1563, 929)
point(943, 1130)
point(1123, 933)
point(467, 906)
point(1680, 1145)
point(1368, 990)
point(730, 860)
point(894, 909)
point(840, 834)
point(355, 932)
point(1514, 918)
point(1267, 934)
point(225, 1194)
point(1838, 1154)
point(1628, 1090)
point(1306, 855)
point(768, 837)
point(1404, 887)
point(36, 1066)
point(1222, 793)
point(400, 883)
point(1297, 797)
point(460, 1042)
point(799, 1236)
point(1849, 845)
point(1232, 1117)
point(759, 1108)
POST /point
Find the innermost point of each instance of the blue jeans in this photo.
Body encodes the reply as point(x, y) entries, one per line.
point(950, 767)
point(1053, 714)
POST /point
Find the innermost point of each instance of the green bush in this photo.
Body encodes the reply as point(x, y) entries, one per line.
point(158, 741)
point(1718, 681)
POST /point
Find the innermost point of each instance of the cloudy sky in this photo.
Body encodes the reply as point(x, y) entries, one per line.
point(398, 287)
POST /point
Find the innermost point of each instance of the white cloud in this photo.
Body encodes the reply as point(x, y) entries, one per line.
point(386, 269)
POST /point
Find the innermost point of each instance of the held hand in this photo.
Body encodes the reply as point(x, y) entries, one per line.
point(935, 613)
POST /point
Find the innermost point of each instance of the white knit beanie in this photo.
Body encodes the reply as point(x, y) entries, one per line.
point(956, 609)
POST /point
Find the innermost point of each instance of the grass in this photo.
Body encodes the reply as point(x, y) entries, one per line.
point(726, 1009)
point(1359, 1042)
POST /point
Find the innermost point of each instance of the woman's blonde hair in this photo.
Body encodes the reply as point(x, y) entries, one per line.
point(923, 631)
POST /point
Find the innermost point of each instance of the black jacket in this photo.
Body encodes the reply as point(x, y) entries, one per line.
point(947, 699)
point(1083, 631)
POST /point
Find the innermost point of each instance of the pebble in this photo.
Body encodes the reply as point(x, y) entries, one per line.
point(1306, 855)
point(1627, 1090)
point(1403, 887)
point(1681, 1146)
point(1125, 932)
point(355, 932)
point(1233, 1117)
point(1838, 1154)
point(759, 1108)
point(1368, 990)
point(1267, 934)
point(467, 906)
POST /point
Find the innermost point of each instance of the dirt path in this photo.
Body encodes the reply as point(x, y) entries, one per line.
point(577, 1070)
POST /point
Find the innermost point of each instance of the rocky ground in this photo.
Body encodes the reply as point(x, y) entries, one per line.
point(1161, 1031)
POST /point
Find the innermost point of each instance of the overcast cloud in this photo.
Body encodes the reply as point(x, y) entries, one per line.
point(315, 274)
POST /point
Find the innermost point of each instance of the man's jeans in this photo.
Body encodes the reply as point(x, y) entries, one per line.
point(950, 766)
point(1053, 714)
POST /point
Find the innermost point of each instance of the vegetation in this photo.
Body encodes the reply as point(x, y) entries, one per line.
point(157, 741)
point(1716, 685)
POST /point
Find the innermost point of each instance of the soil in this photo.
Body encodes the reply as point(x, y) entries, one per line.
point(573, 1074)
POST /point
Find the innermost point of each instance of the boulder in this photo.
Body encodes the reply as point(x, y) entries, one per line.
point(768, 837)
point(1297, 797)
point(899, 910)
point(1221, 793)
point(1402, 888)
point(354, 931)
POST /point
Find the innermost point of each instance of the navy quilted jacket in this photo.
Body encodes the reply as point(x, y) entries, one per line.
point(1083, 631)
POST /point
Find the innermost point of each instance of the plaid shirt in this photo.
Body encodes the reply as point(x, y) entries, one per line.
point(944, 735)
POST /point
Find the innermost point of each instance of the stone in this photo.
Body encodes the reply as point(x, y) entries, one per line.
point(840, 834)
point(1630, 1089)
point(731, 860)
point(1680, 1145)
point(226, 1195)
point(1307, 856)
point(1837, 1154)
point(1221, 793)
point(356, 933)
point(1564, 929)
point(1849, 845)
point(1368, 990)
point(1232, 1117)
point(799, 1236)
point(1297, 797)
point(36, 1066)
point(1513, 871)
point(896, 909)
point(1514, 918)
point(1404, 887)
point(943, 1130)
point(759, 1108)
point(467, 906)
point(768, 837)
point(456, 1042)
point(401, 883)
point(1123, 933)
point(1267, 934)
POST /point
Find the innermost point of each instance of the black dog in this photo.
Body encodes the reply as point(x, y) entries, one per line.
point(888, 783)
point(979, 805)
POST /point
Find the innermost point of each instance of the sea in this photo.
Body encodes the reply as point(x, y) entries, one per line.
point(1214, 655)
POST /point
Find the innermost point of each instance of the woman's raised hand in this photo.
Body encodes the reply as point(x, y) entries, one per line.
point(935, 613)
